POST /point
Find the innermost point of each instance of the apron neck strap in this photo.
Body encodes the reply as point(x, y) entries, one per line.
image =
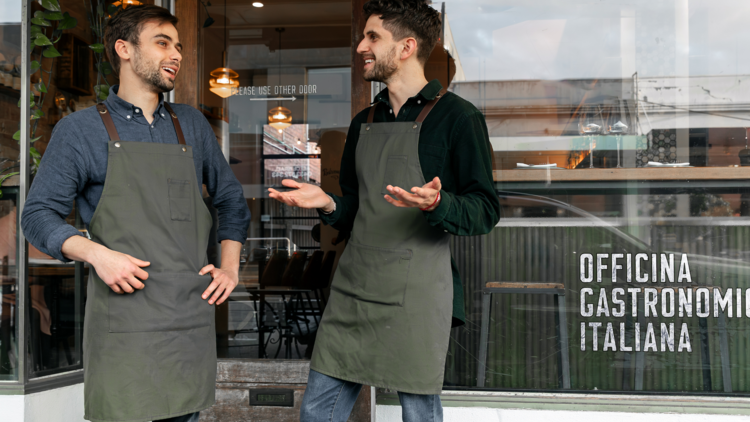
point(371, 116)
point(427, 108)
point(108, 123)
point(112, 131)
point(425, 111)
point(177, 127)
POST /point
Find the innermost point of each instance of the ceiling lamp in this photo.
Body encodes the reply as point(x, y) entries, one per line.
point(224, 80)
point(257, 4)
point(280, 117)
point(126, 3)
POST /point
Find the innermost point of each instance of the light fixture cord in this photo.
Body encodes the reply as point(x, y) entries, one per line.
point(225, 33)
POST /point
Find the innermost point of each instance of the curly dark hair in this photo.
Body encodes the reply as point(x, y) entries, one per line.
point(408, 18)
point(127, 25)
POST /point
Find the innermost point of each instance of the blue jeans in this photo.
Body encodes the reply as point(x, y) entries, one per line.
point(193, 417)
point(330, 399)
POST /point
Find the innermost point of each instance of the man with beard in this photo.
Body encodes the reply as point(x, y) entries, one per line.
point(416, 168)
point(135, 165)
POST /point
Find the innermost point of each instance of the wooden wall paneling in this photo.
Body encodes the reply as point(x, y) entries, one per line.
point(360, 88)
point(188, 82)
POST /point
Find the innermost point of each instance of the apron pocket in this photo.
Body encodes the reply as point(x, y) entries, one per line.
point(180, 200)
point(169, 302)
point(377, 275)
point(395, 173)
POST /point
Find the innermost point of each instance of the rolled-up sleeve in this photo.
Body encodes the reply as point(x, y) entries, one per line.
point(61, 174)
point(226, 191)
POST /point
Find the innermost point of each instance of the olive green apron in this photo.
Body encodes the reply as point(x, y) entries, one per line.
point(387, 323)
point(150, 354)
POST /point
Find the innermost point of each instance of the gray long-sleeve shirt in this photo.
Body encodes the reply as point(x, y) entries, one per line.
point(74, 167)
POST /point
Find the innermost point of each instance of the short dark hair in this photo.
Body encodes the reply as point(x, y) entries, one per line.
point(408, 18)
point(128, 24)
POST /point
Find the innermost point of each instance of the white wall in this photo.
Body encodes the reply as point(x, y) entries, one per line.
point(481, 414)
point(61, 404)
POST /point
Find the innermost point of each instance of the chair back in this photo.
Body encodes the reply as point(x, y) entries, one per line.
point(274, 269)
point(293, 273)
point(324, 279)
point(312, 271)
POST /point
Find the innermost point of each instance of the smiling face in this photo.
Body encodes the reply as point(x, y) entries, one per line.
point(380, 51)
point(156, 59)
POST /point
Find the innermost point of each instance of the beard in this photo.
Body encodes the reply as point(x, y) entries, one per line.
point(383, 69)
point(151, 74)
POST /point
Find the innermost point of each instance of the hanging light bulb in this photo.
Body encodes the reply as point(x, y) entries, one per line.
point(126, 3)
point(224, 81)
point(280, 117)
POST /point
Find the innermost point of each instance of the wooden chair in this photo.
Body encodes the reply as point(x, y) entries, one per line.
point(556, 289)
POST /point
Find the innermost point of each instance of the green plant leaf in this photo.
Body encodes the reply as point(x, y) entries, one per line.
point(41, 87)
point(41, 40)
point(102, 91)
point(34, 153)
point(34, 66)
point(35, 139)
point(17, 136)
point(35, 30)
point(6, 177)
point(111, 10)
point(98, 48)
point(100, 9)
point(67, 22)
point(53, 16)
point(37, 114)
point(51, 5)
point(51, 52)
point(40, 22)
point(105, 68)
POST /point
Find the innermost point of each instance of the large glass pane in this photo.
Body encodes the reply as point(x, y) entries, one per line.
point(292, 95)
point(10, 93)
point(619, 132)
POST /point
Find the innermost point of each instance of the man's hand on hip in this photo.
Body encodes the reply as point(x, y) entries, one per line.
point(425, 198)
point(305, 195)
point(222, 285)
point(121, 272)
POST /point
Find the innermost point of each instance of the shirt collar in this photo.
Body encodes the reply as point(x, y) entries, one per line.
point(123, 108)
point(429, 92)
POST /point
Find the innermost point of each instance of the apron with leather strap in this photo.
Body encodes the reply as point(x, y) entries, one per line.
point(387, 323)
point(150, 354)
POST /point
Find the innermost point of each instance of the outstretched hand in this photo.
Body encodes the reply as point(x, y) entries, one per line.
point(304, 195)
point(418, 198)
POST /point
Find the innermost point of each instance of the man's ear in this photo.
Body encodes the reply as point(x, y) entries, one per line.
point(124, 49)
point(409, 48)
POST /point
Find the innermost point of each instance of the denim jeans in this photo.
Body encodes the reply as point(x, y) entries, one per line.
point(330, 399)
point(193, 417)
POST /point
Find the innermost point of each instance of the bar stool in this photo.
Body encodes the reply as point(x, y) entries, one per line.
point(534, 288)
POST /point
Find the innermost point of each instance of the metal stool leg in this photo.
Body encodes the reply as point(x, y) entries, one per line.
point(485, 331)
point(562, 342)
point(640, 357)
point(726, 375)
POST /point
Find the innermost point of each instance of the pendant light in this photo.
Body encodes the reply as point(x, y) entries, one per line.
point(126, 3)
point(280, 117)
point(224, 80)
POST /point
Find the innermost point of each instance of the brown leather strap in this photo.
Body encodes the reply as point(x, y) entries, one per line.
point(177, 127)
point(371, 116)
point(427, 108)
point(108, 122)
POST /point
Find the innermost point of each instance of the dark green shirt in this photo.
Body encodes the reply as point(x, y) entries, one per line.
point(454, 146)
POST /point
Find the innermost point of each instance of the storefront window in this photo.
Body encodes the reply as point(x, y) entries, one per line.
point(10, 93)
point(619, 132)
point(291, 102)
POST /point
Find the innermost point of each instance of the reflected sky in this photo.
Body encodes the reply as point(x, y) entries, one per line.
point(501, 40)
